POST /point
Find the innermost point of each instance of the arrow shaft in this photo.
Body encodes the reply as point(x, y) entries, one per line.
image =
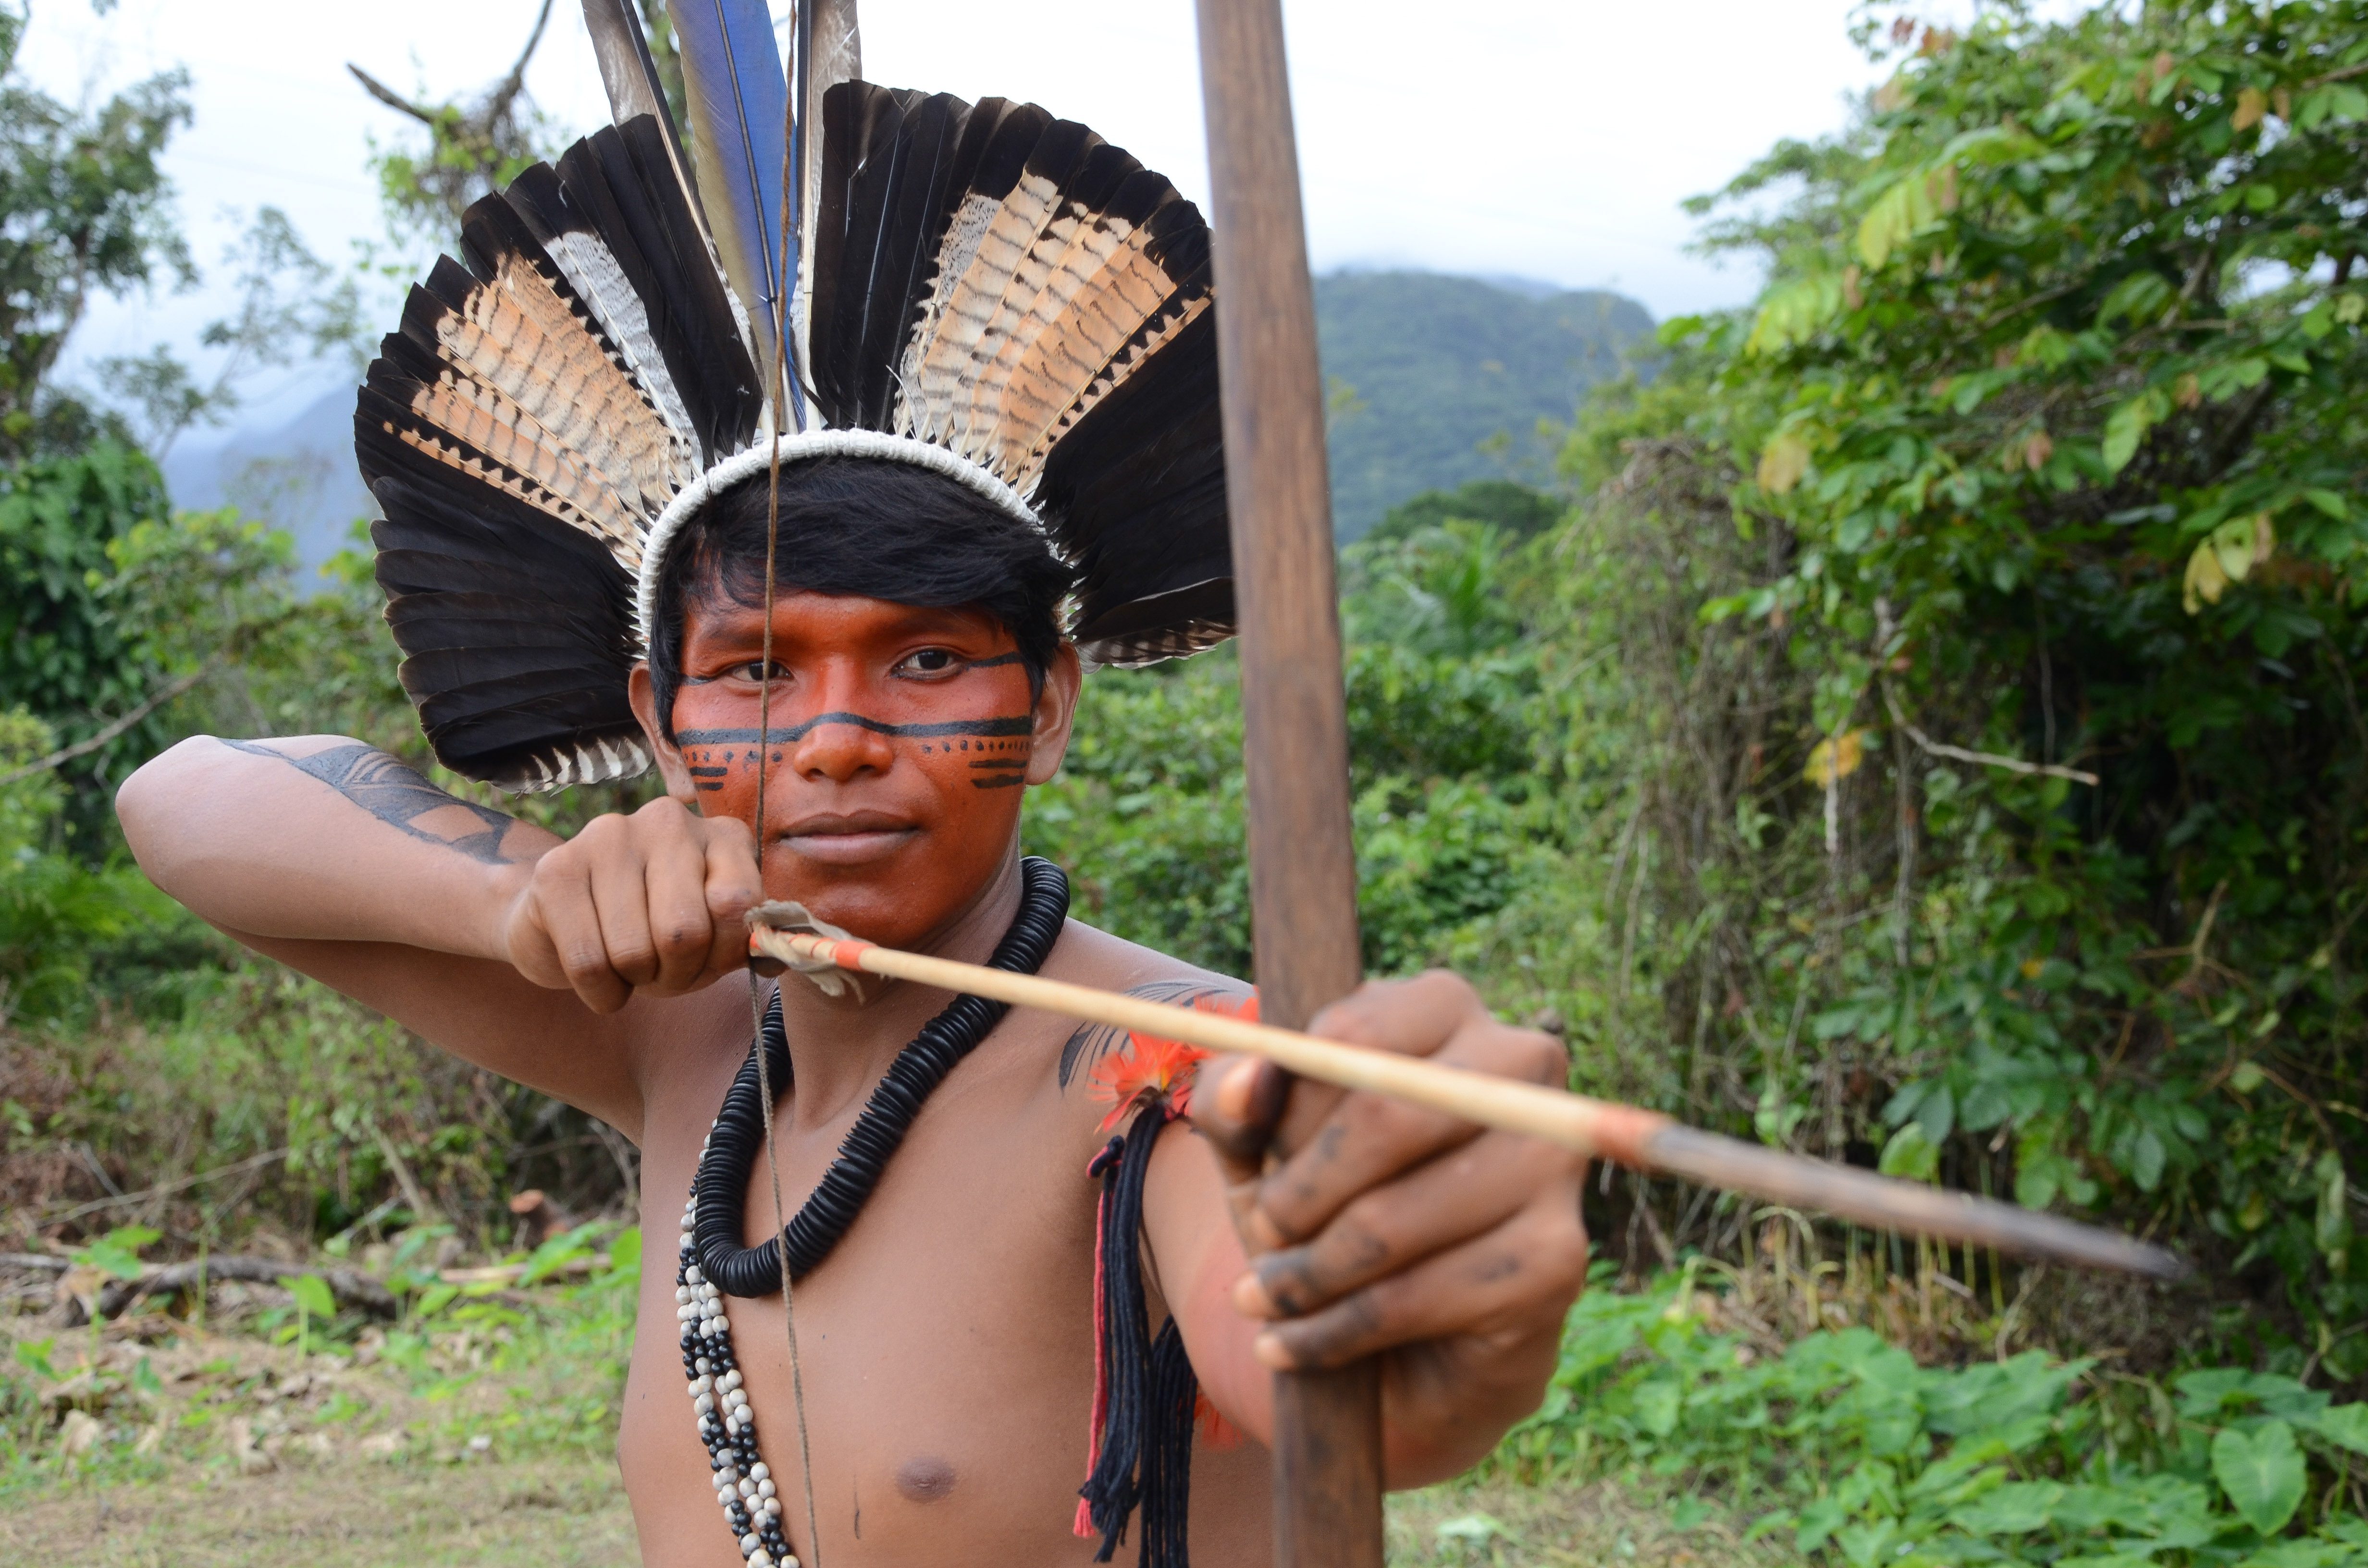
point(1627, 1135)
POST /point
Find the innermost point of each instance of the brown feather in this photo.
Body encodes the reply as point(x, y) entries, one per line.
point(486, 419)
point(952, 356)
point(448, 450)
point(1177, 313)
point(517, 335)
point(1083, 323)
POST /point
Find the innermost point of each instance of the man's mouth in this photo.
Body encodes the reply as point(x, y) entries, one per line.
point(847, 839)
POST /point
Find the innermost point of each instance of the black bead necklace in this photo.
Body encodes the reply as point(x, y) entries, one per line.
point(713, 1265)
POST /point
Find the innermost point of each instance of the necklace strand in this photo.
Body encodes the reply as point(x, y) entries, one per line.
point(712, 1218)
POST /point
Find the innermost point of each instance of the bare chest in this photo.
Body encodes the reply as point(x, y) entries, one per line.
point(946, 1344)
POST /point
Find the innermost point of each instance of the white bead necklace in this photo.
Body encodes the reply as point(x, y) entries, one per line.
point(727, 1424)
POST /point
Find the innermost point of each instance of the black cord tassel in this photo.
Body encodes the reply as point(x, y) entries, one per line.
point(1146, 1457)
point(738, 1136)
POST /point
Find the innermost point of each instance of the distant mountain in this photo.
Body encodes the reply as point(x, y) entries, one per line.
point(1424, 368)
point(300, 476)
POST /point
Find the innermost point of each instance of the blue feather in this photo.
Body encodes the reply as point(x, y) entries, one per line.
point(737, 97)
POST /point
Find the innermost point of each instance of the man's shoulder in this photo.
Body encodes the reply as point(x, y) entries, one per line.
point(1086, 956)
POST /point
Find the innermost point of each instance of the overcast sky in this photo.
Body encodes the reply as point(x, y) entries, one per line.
point(1546, 139)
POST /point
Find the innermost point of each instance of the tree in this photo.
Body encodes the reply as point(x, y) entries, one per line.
point(474, 148)
point(84, 207)
point(2048, 431)
point(290, 307)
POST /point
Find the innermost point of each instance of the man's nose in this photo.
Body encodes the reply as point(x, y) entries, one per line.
point(840, 747)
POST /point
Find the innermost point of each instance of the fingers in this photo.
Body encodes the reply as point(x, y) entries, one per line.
point(1366, 1140)
point(620, 901)
point(1508, 1283)
point(1464, 1193)
point(1237, 1103)
point(560, 902)
point(653, 901)
point(1409, 1017)
point(733, 886)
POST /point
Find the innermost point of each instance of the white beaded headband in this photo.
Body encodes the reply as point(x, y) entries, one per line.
point(806, 447)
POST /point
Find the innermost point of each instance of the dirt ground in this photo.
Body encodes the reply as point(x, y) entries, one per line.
point(568, 1513)
point(534, 1514)
point(214, 1449)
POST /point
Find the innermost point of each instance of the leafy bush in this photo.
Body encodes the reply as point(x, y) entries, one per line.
point(1147, 814)
point(1860, 1455)
point(1956, 652)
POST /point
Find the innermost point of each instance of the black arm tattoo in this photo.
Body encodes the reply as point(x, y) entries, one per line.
point(1093, 1041)
point(399, 796)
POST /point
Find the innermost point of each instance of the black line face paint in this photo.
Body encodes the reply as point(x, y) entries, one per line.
point(1017, 724)
point(878, 710)
point(1005, 744)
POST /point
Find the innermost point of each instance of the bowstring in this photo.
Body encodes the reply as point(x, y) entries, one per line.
point(780, 280)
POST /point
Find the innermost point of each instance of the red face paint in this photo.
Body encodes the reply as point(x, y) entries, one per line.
point(900, 739)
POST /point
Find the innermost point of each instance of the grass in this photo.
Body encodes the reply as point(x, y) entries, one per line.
point(556, 1512)
point(566, 1510)
point(1508, 1524)
point(214, 1447)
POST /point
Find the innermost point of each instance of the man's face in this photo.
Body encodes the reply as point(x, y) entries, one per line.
point(902, 740)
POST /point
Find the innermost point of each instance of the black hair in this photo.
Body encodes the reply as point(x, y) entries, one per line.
point(876, 528)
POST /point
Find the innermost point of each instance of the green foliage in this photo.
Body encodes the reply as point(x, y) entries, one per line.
point(1146, 813)
point(290, 307)
point(474, 146)
point(118, 1252)
point(2039, 451)
point(1517, 510)
point(68, 653)
point(59, 917)
point(1862, 1457)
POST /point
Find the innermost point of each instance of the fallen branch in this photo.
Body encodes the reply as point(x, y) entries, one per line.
point(33, 1263)
point(503, 1273)
point(350, 1287)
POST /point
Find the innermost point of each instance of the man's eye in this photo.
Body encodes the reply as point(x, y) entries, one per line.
point(931, 660)
point(755, 671)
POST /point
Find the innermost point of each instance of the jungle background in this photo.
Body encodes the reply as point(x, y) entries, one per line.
point(1913, 719)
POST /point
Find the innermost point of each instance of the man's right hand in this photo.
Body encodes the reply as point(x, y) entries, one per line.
point(654, 901)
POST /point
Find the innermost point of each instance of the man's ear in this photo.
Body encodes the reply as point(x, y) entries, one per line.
point(643, 693)
point(1056, 710)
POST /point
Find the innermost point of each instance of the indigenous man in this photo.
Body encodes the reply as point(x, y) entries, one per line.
point(847, 650)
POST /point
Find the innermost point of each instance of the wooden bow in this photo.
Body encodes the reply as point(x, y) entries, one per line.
point(1327, 1435)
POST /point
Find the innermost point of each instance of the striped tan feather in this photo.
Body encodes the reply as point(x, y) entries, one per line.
point(1176, 313)
point(592, 272)
point(1101, 312)
point(445, 448)
point(488, 420)
point(952, 357)
point(964, 233)
point(1040, 288)
point(515, 335)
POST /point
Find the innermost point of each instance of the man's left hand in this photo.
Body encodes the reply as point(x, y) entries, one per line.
point(1384, 1228)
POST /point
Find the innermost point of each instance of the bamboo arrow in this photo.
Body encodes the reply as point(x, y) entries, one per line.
point(1626, 1135)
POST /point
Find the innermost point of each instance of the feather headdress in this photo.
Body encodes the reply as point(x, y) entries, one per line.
point(981, 289)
